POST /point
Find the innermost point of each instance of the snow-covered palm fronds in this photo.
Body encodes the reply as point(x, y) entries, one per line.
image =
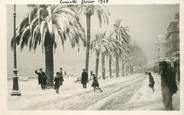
point(61, 22)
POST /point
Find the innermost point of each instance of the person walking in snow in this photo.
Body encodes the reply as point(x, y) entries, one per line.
point(151, 81)
point(95, 83)
point(61, 76)
point(168, 83)
point(84, 78)
point(57, 82)
point(42, 79)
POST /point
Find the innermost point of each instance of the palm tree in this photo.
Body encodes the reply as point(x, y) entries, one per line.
point(121, 35)
point(125, 55)
point(45, 25)
point(110, 66)
point(102, 15)
point(96, 47)
point(107, 49)
point(117, 50)
point(101, 45)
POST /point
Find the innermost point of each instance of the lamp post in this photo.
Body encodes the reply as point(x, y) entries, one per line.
point(15, 90)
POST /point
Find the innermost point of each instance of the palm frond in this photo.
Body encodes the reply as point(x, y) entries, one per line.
point(25, 37)
point(102, 14)
point(43, 30)
point(23, 24)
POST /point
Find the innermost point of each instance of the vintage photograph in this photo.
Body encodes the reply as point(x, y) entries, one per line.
point(93, 57)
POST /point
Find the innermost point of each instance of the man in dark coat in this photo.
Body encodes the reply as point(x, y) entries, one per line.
point(84, 78)
point(61, 76)
point(168, 84)
point(42, 79)
point(58, 80)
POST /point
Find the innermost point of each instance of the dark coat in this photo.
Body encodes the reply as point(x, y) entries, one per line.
point(42, 79)
point(168, 77)
point(95, 82)
point(61, 78)
point(84, 78)
point(151, 81)
point(58, 81)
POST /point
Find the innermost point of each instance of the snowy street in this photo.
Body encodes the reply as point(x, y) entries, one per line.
point(121, 52)
point(145, 99)
point(124, 93)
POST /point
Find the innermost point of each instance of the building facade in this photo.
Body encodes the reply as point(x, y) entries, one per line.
point(173, 38)
point(173, 44)
point(168, 46)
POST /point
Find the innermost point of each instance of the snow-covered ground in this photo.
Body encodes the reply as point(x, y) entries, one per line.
point(145, 99)
point(32, 95)
point(138, 95)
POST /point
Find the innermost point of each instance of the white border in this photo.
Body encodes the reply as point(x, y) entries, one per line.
point(3, 61)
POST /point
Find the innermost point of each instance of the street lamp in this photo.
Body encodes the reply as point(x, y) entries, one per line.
point(15, 90)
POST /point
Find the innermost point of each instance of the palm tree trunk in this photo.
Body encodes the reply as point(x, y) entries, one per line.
point(131, 69)
point(117, 66)
point(103, 65)
point(49, 59)
point(123, 68)
point(97, 63)
point(88, 24)
point(110, 66)
point(127, 69)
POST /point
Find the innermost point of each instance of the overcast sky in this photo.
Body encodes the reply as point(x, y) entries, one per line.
point(145, 23)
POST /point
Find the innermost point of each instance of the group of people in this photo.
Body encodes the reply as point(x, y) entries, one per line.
point(95, 83)
point(168, 82)
point(166, 71)
point(42, 79)
point(58, 80)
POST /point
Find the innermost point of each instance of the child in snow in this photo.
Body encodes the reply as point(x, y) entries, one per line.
point(95, 83)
